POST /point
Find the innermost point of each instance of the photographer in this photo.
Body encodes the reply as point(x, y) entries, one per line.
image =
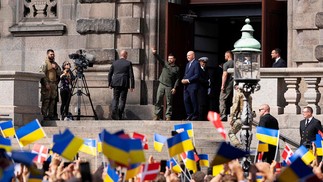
point(66, 78)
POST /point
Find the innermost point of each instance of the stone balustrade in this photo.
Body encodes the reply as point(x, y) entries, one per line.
point(287, 90)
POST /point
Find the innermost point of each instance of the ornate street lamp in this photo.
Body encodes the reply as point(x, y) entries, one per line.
point(246, 74)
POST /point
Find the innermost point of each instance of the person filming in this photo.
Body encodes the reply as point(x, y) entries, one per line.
point(66, 78)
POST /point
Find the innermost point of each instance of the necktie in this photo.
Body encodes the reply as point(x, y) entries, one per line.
point(306, 122)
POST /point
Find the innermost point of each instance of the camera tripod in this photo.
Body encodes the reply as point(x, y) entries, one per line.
point(79, 93)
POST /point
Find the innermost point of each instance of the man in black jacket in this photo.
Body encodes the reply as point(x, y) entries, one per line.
point(121, 79)
point(268, 121)
point(279, 62)
point(309, 127)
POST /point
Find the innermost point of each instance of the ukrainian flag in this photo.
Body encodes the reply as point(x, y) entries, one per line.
point(100, 143)
point(5, 144)
point(7, 129)
point(30, 133)
point(190, 162)
point(23, 157)
point(179, 143)
point(262, 147)
point(136, 151)
point(111, 176)
point(68, 146)
point(304, 154)
point(204, 160)
point(133, 170)
point(267, 135)
point(297, 171)
point(226, 153)
point(185, 127)
point(89, 146)
point(217, 169)
point(159, 142)
point(115, 148)
point(318, 143)
point(7, 173)
point(176, 168)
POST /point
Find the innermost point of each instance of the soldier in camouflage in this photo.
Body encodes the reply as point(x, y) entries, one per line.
point(234, 118)
point(49, 83)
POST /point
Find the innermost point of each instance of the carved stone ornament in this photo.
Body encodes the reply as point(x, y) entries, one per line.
point(40, 8)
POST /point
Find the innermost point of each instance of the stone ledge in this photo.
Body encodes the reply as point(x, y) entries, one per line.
point(25, 30)
point(95, 1)
point(96, 26)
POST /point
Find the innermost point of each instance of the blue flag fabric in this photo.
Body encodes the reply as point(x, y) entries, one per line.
point(23, 157)
point(226, 153)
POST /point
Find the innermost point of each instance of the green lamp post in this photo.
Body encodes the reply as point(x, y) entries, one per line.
point(246, 74)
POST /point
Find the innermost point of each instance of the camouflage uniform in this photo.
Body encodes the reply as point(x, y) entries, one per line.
point(234, 117)
point(49, 96)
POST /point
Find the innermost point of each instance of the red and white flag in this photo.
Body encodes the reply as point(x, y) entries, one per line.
point(148, 171)
point(143, 139)
point(41, 151)
point(320, 133)
point(260, 155)
point(287, 153)
point(215, 119)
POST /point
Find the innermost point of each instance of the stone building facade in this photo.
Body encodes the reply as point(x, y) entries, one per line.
point(103, 27)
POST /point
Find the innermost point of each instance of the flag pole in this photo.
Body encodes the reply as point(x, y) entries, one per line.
point(181, 169)
point(277, 146)
point(186, 167)
point(256, 157)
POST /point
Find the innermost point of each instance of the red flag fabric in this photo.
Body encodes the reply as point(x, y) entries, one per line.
point(215, 119)
point(143, 139)
point(41, 151)
point(320, 133)
point(184, 156)
point(260, 155)
point(149, 171)
point(287, 153)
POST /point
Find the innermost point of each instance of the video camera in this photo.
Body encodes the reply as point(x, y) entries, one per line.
point(82, 60)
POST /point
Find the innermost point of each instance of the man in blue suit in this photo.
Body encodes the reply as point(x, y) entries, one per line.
point(191, 84)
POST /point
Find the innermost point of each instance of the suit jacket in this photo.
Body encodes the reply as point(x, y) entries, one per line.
point(308, 133)
point(121, 74)
point(192, 73)
point(280, 63)
point(269, 121)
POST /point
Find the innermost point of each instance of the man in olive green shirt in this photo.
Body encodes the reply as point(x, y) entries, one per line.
point(168, 81)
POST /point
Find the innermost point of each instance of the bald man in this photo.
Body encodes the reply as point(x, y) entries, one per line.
point(120, 79)
point(191, 85)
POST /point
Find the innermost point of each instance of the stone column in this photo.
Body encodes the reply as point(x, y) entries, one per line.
point(312, 95)
point(292, 96)
point(19, 96)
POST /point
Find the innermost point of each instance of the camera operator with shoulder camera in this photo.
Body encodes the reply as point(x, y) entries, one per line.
point(66, 78)
point(309, 127)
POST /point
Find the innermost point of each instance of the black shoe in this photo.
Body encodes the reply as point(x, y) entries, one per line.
point(115, 116)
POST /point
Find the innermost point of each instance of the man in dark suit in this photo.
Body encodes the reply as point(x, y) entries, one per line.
point(268, 121)
point(191, 84)
point(120, 78)
point(279, 62)
point(309, 127)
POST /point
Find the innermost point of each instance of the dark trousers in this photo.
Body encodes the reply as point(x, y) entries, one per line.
point(119, 101)
point(191, 104)
point(65, 98)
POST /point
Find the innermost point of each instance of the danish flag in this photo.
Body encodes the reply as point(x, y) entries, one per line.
point(41, 152)
point(215, 119)
point(260, 155)
point(148, 171)
point(143, 139)
point(287, 153)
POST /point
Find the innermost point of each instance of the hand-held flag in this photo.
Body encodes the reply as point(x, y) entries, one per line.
point(30, 133)
point(215, 119)
point(7, 129)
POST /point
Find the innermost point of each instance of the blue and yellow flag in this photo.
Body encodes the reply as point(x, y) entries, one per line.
point(185, 127)
point(112, 175)
point(67, 145)
point(179, 143)
point(190, 162)
point(89, 146)
point(23, 157)
point(176, 167)
point(297, 171)
point(267, 135)
point(304, 154)
point(5, 144)
point(136, 151)
point(133, 170)
point(99, 143)
point(30, 133)
point(159, 141)
point(226, 153)
point(7, 129)
point(7, 173)
point(204, 160)
point(262, 147)
point(217, 169)
point(318, 143)
point(115, 148)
